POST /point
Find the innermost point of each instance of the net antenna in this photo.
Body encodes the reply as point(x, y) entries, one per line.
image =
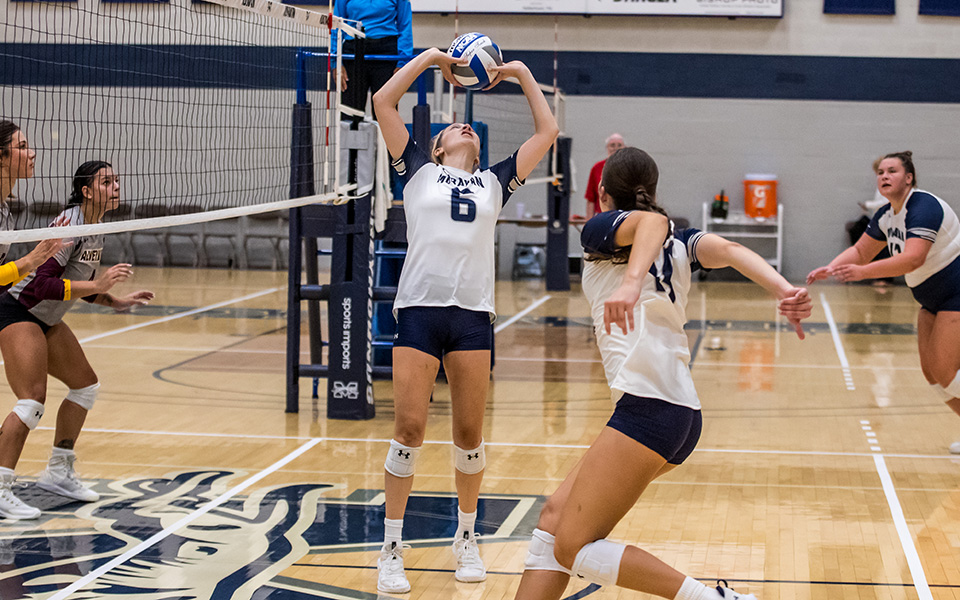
point(189, 101)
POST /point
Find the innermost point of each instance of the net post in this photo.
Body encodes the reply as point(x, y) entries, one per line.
point(301, 184)
point(293, 313)
point(421, 115)
point(350, 375)
point(468, 107)
point(558, 221)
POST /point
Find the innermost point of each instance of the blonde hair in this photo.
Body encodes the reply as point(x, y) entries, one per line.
point(435, 143)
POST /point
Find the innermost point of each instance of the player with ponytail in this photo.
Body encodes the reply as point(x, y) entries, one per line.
point(637, 278)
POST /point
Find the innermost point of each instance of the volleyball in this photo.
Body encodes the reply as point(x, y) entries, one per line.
point(481, 55)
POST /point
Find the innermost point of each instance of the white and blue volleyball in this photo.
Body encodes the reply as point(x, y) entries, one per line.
point(481, 55)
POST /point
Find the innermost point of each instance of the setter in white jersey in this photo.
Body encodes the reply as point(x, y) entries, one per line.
point(444, 303)
point(922, 234)
point(35, 341)
point(636, 278)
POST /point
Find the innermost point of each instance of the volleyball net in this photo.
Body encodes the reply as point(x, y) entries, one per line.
point(190, 101)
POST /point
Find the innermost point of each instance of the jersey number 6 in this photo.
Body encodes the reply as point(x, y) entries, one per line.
point(461, 208)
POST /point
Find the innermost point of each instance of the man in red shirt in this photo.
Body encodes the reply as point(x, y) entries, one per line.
point(614, 143)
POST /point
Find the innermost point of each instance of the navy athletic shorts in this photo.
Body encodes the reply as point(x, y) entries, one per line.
point(670, 430)
point(437, 330)
point(11, 311)
point(940, 291)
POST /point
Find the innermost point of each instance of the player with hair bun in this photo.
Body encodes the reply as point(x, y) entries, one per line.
point(444, 303)
point(35, 342)
point(636, 278)
point(922, 234)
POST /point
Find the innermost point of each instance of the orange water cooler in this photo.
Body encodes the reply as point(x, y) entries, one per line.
point(760, 196)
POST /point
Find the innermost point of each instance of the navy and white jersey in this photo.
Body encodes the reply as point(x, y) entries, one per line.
point(923, 216)
point(451, 220)
point(653, 360)
point(46, 291)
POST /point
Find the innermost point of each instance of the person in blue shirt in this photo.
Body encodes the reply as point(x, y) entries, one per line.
point(388, 25)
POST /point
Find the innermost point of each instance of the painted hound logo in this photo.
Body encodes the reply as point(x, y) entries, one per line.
point(346, 390)
point(240, 550)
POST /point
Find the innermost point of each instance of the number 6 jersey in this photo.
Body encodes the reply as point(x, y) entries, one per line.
point(451, 219)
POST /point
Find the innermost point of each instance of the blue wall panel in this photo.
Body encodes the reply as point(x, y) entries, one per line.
point(859, 7)
point(581, 73)
point(950, 8)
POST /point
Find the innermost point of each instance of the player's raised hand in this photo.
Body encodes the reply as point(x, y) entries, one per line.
point(112, 276)
point(796, 306)
point(618, 309)
point(445, 62)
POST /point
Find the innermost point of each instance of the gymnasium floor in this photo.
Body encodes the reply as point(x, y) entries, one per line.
point(822, 471)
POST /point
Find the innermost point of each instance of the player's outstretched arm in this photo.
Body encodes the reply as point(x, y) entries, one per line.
point(715, 252)
point(913, 256)
point(386, 99)
point(544, 124)
point(860, 253)
point(645, 232)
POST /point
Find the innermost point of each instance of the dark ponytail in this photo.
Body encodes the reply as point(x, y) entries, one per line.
point(84, 178)
point(906, 158)
point(630, 177)
point(7, 129)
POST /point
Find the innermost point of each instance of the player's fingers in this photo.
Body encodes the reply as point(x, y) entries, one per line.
point(798, 328)
point(630, 321)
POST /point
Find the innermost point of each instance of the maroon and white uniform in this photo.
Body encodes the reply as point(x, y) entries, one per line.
point(46, 292)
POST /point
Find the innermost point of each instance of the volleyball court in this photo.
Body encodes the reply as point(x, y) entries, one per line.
point(209, 490)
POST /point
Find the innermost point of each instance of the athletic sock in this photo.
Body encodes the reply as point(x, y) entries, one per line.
point(467, 522)
point(693, 590)
point(392, 531)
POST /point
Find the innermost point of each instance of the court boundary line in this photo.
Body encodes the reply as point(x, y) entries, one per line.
point(496, 444)
point(174, 316)
point(179, 315)
point(903, 531)
point(166, 532)
point(847, 375)
point(521, 314)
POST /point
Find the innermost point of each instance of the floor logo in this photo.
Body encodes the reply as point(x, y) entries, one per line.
point(236, 551)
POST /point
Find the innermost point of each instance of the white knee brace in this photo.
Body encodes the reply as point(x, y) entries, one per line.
point(401, 460)
point(29, 411)
point(954, 388)
point(941, 391)
point(599, 562)
point(540, 554)
point(470, 462)
point(84, 397)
